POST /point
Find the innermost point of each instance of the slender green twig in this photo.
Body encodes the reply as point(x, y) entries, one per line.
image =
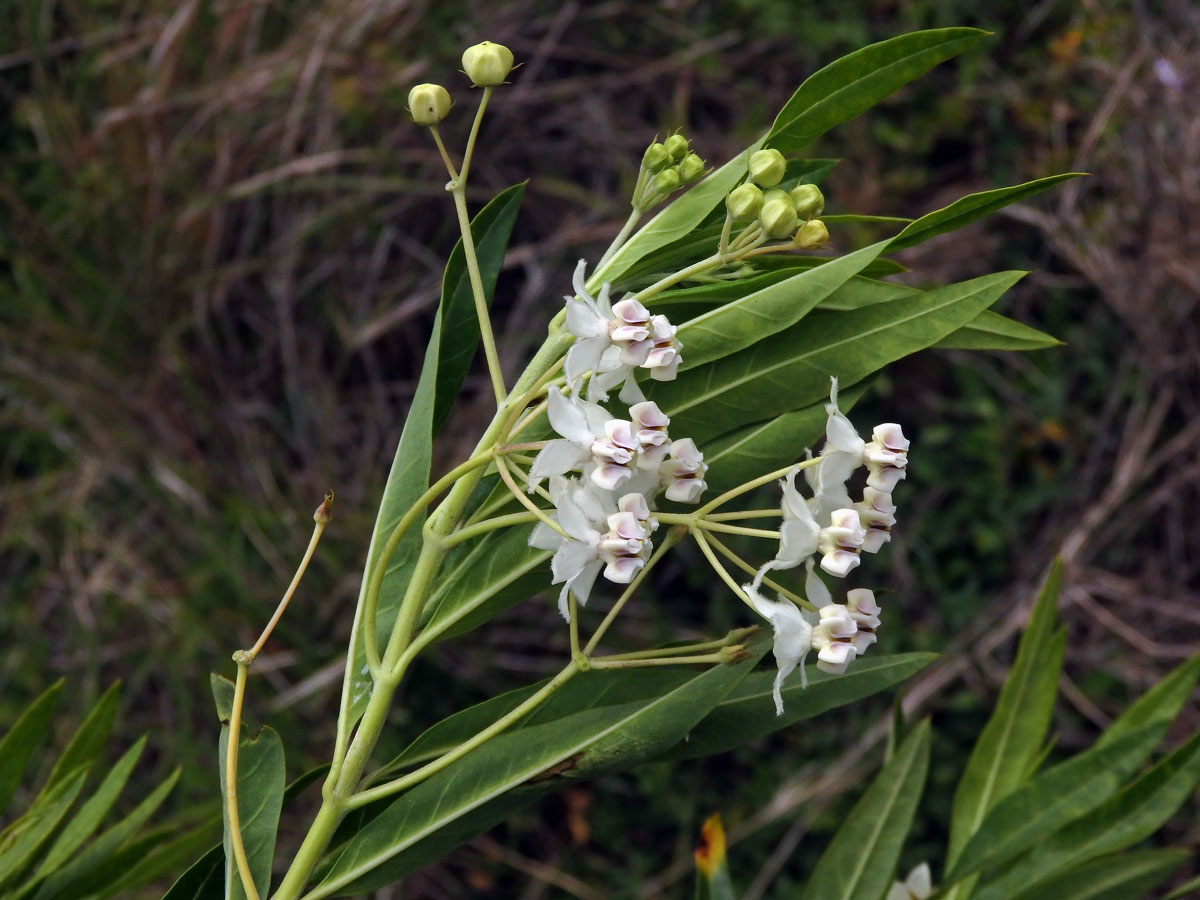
point(737, 529)
point(744, 514)
point(702, 542)
point(672, 538)
point(603, 662)
point(750, 570)
point(488, 525)
point(752, 484)
point(539, 514)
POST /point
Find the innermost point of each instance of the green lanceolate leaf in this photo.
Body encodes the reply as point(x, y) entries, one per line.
point(149, 860)
point(204, 879)
point(791, 370)
point(490, 229)
point(992, 331)
point(855, 83)
point(1158, 706)
point(1130, 816)
point(19, 743)
point(87, 742)
point(676, 221)
point(1053, 799)
point(861, 859)
point(33, 829)
point(1185, 890)
point(1122, 876)
point(859, 292)
point(223, 691)
point(92, 813)
point(1017, 727)
point(407, 481)
point(260, 785)
point(437, 813)
point(748, 712)
point(69, 881)
point(747, 320)
point(966, 210)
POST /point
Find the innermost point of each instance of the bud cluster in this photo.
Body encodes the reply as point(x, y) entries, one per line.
point(777, 213)
point(666, 167)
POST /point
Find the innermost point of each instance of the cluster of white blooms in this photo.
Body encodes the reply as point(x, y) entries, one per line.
point(837, 529)
point(622, 464)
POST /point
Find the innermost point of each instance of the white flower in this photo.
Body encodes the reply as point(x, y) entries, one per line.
point(860, 602)
point(833, 638)
point(626, 546)
point(665, 356)
point(797, 533)
point(840, 542)
point(793, 639)
point(917, 886)
point(683, 472)
point(886, 457)
point(576, 561)
point(878, 514)
point(603, 448)
point(614, 455)
point(650, 427)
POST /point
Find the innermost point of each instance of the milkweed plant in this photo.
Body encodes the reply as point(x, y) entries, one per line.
point(695, 385)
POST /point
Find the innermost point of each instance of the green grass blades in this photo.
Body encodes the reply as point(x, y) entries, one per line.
point(437, 814)
point(861, 859)
point(490, 230)
point(1014, 734)
point(260, 786)
point(22, 739)
point(87, 742)
point(853, 84)
point(1122, 876)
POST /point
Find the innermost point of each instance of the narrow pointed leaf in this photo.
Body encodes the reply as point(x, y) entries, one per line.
point(490, 229)
point(87, 742)
point(260, 785)
point(223, 691)
point(407, 481)
point(203, 880)
point(992, 331)
point(1123, 876)
point(22, 739)
point(92, 813)
point(68, 882)
point(426, 820)
point(747, 320)
point(966, 210)
point(853, 84)
point(1123, 820)
point(1159, 705)
point(1188, 889)
point(1017, 727)
point(150, 860)
point(748, 712)
point(33, 829)
point(861, 859)
point(791, 370)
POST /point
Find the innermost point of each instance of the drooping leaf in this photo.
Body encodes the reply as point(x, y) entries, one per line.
point(966, 210)
point(861, 859)
point(490, 229)
point(737, 325)
point(748, 712)
point(853, 84)
point(260, 785)
point(1123, 876)
point(87, 742)
point(1017, 727)
point(407, 481)
point(435, 814)
point(992, 331)
point(1123, 820)
point(23, 738)
point(791, 370)
point(35, 827)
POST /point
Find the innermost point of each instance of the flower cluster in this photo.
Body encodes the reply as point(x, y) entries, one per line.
point(778, 213)
point(622, 464)
point(833, 527)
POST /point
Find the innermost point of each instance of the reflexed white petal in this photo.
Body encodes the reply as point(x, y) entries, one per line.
point(544, 537)
point(874, 540)
point(578, 281)
point(586, 578)
point(898, 892)
point(583, 321)
point(631, 392)
point(570, 560)
point(574, 522)
point(815, 590)
point(557, 458)
point(583, 357)
point(568, 418)
point(793, 638)
point(797, 542)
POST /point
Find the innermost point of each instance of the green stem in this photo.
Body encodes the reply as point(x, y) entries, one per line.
point(745, 514)
point(470, 151)
point(362, 798)
point(734, 637)
point(626, 229)
point(231, 770)
point(608, 663)
point(738, 529)
point(702, 542)
point(750, 570)
point(751, 485)
point(458, 191)
point(488, 525)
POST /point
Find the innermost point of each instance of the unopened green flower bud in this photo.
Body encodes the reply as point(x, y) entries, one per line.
point(666, 181)
point(429, 103)
point(656, 158)
point(767, 167)
point(808, 199)
point(677, 146)
point(732, 655)
point(691, 168)
point(778, 217)
point(487, 64)
point(744, 202)
point(811, 235)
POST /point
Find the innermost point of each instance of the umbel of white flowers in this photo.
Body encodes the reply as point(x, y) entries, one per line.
point(622, 464)
point(836, 528)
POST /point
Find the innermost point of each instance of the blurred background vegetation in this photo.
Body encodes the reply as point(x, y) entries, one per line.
point(221, 243)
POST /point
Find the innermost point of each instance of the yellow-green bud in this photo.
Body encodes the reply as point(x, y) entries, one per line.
point(429, 103)
point(767, 167)
point(691, 168)
point(487, 64)
point(677, 146)
point(666, 181)
point(745, 202)
point(811, 235)
point(778, 217)
point(809, 200)
point(656, 158)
